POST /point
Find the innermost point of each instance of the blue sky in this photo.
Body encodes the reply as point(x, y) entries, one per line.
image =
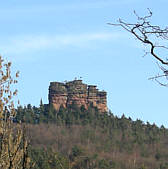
point(59, 40)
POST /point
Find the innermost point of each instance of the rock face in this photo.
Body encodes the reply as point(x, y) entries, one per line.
point(78, 93)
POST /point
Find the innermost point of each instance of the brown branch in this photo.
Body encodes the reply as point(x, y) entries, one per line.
point(162, 84)
point(148, 34)
point(156, 77)
point(142, 29)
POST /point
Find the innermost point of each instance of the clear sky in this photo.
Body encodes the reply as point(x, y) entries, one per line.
point(55, 40)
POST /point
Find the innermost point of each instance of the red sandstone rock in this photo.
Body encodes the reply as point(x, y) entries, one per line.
point(78, 93)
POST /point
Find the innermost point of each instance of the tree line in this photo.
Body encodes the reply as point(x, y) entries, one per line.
point(78, 138)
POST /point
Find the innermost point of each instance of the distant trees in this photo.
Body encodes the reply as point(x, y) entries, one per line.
point(97, 146)
point(76, 138)
point(13, 145)
point(154, 37)
point(47, 114)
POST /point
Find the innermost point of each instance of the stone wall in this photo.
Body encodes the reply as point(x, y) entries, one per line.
point(78, 93)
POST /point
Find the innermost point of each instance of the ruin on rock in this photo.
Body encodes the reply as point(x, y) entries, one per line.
point(76, 92)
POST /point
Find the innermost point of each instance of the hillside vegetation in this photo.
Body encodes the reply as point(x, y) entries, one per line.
point(75, 138)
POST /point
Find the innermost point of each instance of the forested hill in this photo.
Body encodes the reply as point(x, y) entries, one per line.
point(76, 138)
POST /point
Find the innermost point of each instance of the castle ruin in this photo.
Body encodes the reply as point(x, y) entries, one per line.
point(78, 93)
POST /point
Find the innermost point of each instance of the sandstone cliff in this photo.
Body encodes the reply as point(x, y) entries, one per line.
point(78, 93)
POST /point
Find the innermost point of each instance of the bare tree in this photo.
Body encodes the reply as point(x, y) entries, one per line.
point(153, 36)
point(13, 145)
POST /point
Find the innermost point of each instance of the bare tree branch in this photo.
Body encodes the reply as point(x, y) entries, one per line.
point(147, 33)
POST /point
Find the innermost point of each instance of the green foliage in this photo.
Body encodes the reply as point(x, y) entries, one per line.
point(88, 139)
point(46, 159)
point(76, 151)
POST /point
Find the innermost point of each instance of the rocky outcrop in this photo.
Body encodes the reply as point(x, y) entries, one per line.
point(78, 93)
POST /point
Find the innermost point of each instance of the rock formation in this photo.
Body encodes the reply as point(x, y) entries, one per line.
point(78, 93)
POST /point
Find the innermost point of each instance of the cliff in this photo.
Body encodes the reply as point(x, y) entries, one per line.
point(78, 93)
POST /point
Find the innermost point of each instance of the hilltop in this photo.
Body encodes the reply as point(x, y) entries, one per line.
point(72, 132)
